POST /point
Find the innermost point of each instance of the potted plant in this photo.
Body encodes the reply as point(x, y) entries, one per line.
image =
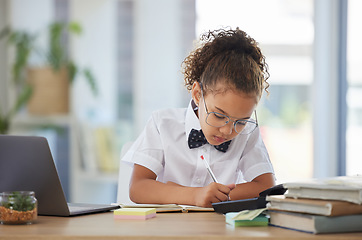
point(50, 83)
point(18, 207)
point(44, 89)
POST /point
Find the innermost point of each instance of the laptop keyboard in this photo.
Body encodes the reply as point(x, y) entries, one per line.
point(77, 207)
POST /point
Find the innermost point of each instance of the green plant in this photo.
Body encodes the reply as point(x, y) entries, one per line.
point(17, 201)
point(54, 56)
point(57, 56)
point(23, 43)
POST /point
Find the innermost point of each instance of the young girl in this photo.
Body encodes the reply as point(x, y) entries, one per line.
point(226, 77)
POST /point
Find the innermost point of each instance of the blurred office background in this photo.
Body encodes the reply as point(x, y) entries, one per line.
point(311, 121)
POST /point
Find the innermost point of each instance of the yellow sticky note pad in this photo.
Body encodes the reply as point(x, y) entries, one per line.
point(135, 213)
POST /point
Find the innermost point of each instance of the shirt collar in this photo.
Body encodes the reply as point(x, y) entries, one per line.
point(191, 119)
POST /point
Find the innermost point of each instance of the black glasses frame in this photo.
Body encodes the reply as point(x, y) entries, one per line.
point(246, 121)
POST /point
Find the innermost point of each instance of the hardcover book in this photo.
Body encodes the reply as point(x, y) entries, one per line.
point(313, 206)
point(345, 188)
point(315, 223)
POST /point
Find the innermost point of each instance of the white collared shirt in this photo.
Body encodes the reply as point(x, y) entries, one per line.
point(162, 147)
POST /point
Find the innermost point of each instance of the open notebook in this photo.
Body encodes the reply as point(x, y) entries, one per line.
point(169, 207)
point(26, 164)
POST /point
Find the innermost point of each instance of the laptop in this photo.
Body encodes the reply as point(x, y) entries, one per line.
point(26, 164)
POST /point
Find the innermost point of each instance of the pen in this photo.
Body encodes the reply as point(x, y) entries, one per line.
point(210, 171)
point(208, 168)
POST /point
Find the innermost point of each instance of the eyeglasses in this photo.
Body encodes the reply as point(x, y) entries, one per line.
point(241, 126)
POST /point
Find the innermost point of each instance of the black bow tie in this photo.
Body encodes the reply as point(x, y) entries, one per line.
point(197, 139)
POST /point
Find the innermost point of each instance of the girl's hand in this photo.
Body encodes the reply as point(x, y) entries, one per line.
point(214, 192)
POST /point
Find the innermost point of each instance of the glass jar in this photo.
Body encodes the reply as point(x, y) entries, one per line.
point(18, 207)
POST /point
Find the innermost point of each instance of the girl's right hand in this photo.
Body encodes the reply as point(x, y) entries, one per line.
point(214, 192)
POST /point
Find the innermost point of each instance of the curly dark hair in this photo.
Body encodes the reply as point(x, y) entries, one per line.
point(230, 56)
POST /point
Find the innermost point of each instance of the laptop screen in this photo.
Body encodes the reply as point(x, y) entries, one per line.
point(26, 164)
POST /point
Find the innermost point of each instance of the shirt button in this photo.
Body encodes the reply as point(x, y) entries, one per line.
point(205, 150)
point(198, 180)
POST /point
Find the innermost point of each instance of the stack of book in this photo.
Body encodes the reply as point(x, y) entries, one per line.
point(328, 205)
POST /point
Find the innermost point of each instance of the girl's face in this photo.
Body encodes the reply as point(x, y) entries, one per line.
point(233, 104)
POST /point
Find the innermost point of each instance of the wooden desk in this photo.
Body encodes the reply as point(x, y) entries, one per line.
point(165, 226)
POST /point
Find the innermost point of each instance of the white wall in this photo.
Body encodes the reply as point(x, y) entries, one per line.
point(158, 56)
point(25, 15)
point(96, 49)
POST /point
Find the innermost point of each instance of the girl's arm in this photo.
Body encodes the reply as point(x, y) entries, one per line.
point(253, 188)
point(145, 189)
